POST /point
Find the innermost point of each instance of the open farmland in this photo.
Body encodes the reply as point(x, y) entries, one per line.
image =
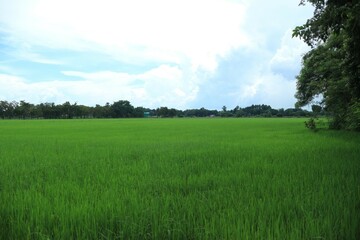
point(177, 179)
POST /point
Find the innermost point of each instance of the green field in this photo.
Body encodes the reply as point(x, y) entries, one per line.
point(177, 179)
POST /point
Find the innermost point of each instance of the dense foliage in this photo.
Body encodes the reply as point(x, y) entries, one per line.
point(331, 70)
point(124, 109)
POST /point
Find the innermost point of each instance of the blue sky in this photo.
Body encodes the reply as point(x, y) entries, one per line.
point(181, 54)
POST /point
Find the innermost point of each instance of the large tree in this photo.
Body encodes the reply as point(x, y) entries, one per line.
point(331, 69)
point(122, 109)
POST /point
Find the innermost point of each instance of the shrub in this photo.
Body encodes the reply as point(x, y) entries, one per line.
point(311, 124)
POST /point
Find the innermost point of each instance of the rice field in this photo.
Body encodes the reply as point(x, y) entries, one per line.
point(177, 179)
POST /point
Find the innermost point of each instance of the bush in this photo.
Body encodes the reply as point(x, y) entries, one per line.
point(311, 124)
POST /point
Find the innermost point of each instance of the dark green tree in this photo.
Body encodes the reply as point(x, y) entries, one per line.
point(316, 109)
point(162, 112)
point(24, 110)
point(139, 112)
point(122, 109)
point(68, 110)
point(331, 70)
point(4, 109)
point(50, 110)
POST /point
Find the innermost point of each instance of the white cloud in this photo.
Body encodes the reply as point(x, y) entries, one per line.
point(149, 89)
point(273, 80)
point(17, 88)
point(154, 87)
point(182, 32)
point(268, 88)
point(288, 55)
point(28, 55)
point(183, 43)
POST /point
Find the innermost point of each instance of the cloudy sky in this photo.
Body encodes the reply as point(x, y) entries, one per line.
point(174, 53)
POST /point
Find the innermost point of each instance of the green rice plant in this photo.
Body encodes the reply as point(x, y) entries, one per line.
point(177, 179)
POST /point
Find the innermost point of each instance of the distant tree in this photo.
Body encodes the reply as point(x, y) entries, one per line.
point(35, 111)
point(102, 111)
point(122, 109)
point(98, 111)
point(316, 109)
point(82, 111)
point(257, 110)
point(139, 112)
point(280, 113)
point(239, 113)
point(162, 112)
point(50, 110)
point(225, 112)
point(235, 109)
point(67, 110)
point(23, 109)
point(4, 109)
point(172, 112)
point(202, 112)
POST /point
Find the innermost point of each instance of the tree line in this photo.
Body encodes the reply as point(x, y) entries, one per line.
point(124, 109)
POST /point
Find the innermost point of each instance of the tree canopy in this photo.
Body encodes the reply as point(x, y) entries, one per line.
point(331, 69)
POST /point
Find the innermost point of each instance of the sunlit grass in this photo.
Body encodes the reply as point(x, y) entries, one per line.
point(177, 179)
